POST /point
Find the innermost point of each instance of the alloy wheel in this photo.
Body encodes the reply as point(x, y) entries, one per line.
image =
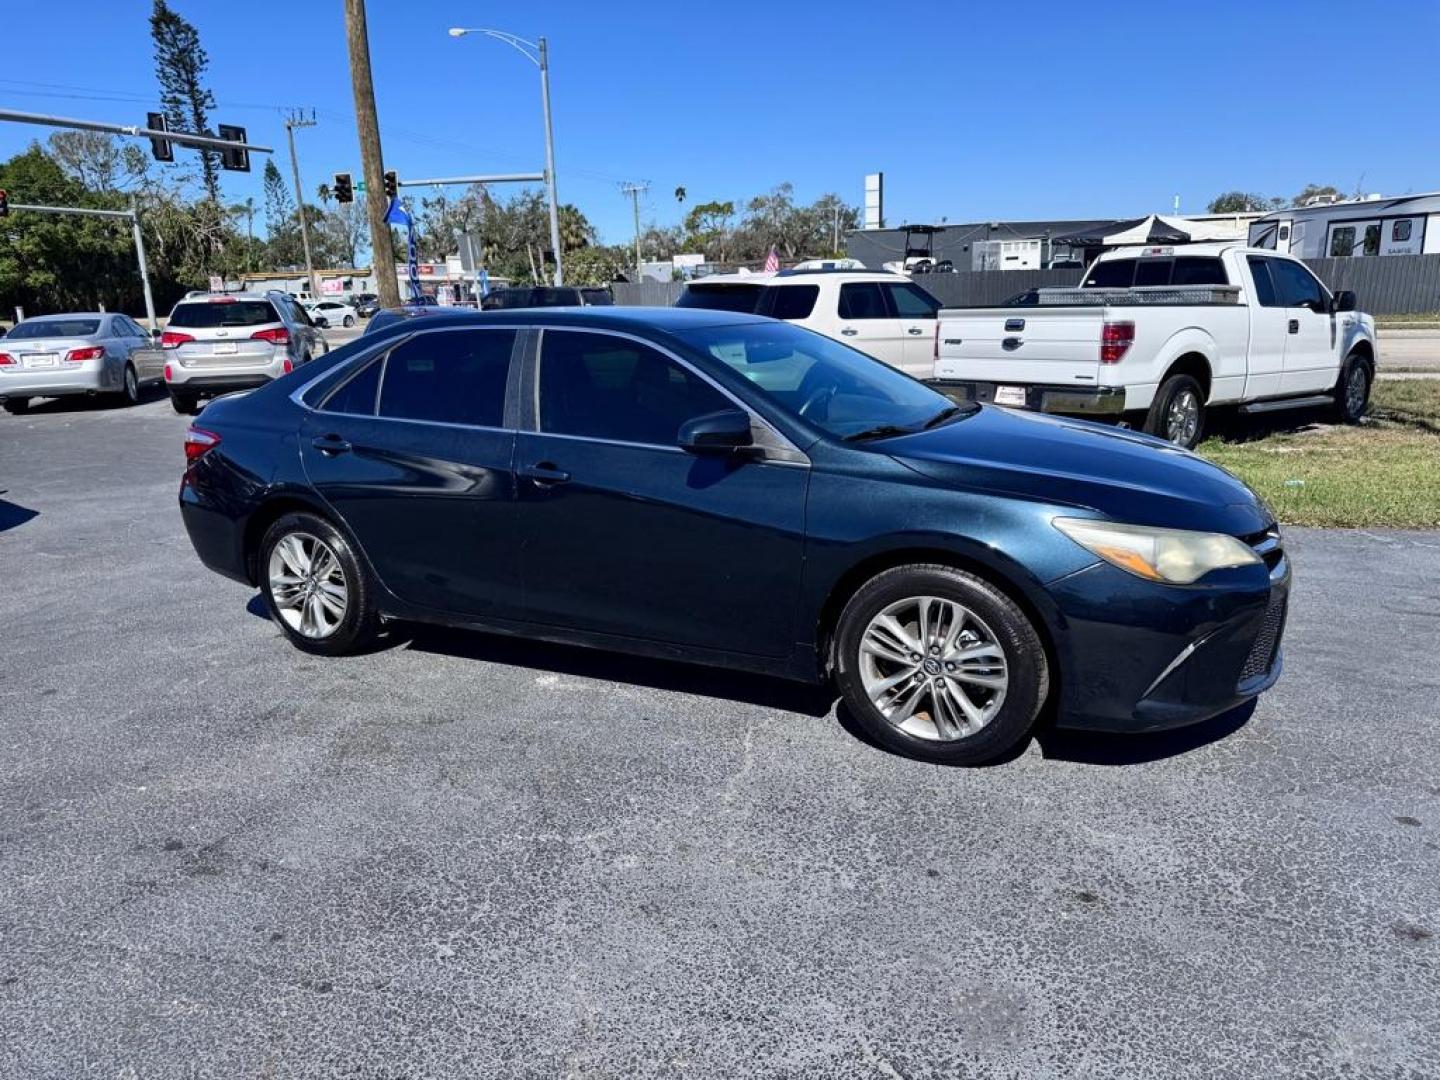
point(933, 668)
point(132, 385)
point(1355, 391)
point(307, 584)
point(1182, 419)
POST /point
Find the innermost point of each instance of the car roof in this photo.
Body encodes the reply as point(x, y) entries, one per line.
point(788, 277)
point(603, 317)
point(207, 298)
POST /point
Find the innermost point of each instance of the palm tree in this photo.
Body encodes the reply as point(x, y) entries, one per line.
point(323, 191)
point(575, 230)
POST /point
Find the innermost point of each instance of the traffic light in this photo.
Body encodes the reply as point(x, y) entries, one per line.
point(4, 203)
point(342, 189)
point(236, 159)
point(392, 184)
point(160, 149)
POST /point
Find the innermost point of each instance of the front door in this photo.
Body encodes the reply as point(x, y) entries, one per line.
point(866, 323)
point(1310, 350)
point(415, 455)
point(625, 533)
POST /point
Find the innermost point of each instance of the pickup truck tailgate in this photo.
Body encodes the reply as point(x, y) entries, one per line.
point(1026, 345)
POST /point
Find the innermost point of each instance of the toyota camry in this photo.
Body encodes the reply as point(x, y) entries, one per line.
point(730, 490)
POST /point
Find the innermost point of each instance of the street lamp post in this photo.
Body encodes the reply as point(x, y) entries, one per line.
point(541, 59)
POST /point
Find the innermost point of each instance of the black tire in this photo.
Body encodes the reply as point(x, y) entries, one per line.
point(184, 404)
point(1025, 661)
point(1352, 390)
point(17, 406)
point(349, 321)
point(1178, 389)
point(360, 622)
point(129, 387)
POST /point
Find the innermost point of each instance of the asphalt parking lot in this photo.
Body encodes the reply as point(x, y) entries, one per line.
point(463, 856)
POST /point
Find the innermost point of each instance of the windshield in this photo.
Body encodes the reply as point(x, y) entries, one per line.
point(42, 328)
point(741, 298)
point(209, 314)
point(844, 392)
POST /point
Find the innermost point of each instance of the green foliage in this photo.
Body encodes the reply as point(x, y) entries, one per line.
point(1241, 202)
point(598, 265)
point(180, 64)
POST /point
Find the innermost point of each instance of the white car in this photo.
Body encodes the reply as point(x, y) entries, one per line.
point(887, 316)
point(1162, 333)
point(334, 312)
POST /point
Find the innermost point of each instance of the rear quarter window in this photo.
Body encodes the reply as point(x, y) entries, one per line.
point(740, 298)
point(208, 314)
point(792, 301)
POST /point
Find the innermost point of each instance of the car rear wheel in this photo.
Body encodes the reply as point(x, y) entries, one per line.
point(184, 404)
point(1177, 414)
point(1352, 392)
point(130, 386)
point(17, 405)
point(939, 665)
point(314, 587)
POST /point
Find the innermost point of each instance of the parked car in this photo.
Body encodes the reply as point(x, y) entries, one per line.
point(387, 317)
point(366, 304)
point(215, 343)
point(81, 353)
point(884, 315)
point(546, 296)
point(334, 312)
point(1160, 334)
point(731, 490)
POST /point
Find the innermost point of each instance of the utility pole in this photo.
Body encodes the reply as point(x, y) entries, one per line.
point(293, 121)
point(635, 190)
point(382, 253)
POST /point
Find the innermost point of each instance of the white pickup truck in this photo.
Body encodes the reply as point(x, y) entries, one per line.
point(1155, 335)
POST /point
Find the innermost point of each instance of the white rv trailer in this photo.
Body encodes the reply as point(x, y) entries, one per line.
point(1407, 225)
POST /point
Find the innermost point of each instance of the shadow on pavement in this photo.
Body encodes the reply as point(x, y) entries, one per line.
point(1109, 748)
point(13, 514)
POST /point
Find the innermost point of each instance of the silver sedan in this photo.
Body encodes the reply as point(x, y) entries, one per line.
point(88, 353)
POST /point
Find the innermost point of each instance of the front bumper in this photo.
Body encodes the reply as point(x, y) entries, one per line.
point(1137, 656)
point(1041, 397)
point(89, 377)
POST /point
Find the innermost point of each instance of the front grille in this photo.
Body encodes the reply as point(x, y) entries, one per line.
point(1267, 642)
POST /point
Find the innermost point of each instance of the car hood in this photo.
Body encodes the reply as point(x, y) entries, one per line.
point(1120, 474)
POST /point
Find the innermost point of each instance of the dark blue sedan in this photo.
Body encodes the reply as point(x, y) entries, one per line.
point(729, 490)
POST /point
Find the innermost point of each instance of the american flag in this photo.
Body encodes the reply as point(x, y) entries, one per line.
point(772, 261)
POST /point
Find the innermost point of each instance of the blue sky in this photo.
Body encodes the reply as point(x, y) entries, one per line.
point(973, 111)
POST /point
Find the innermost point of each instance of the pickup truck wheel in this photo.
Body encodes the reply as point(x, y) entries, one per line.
point(1352, 392)
point(1177, 414)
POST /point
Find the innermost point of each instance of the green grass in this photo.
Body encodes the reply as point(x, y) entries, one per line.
point(1384, 472)
point(1424, 320)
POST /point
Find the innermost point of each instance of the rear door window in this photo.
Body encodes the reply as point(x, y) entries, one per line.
point(449, 377)
point(1114, 274)
point(792, 301)
point(1265, 294)
point(213, 314)
point(863, 300)
point(740, 298)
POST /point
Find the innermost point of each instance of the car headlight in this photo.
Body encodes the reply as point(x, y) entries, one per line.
point(1174, 556)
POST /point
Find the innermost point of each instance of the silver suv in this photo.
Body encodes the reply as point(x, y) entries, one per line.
point(218, 342)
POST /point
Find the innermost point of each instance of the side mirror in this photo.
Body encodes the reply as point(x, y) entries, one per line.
point(722, 432)
point(1344, 300)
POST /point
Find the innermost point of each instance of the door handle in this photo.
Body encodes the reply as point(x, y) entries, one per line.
point(1294, 326)
point(1011, 343)
point(331, 445)
point(915, 330)
point(544, 474)
point(849, 331)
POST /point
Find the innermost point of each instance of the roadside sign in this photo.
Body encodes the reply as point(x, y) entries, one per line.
point(217, 283)
point(360, 186)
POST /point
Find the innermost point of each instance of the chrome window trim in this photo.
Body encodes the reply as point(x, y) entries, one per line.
point(785, 445)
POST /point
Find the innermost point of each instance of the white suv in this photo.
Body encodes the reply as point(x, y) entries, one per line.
point(885, 315)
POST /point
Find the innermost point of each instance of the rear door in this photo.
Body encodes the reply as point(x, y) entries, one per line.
point(916, 309)
point(865, 321)
point(625, 533)
point(1269, 329)
point(415, 453)
point(145, 351)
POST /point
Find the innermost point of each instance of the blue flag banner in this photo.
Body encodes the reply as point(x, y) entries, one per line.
point(396, 214)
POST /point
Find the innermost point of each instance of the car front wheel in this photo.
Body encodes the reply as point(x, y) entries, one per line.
point(937, 664)
point(349, 321)
point(1352, 392)
point(314, 587)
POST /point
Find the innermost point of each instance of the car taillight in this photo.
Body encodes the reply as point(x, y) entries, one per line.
point(198, 443)
point(6, 360)
point(79, 356)
point(173, 339)
point(277, 336)
point(1115, 341)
